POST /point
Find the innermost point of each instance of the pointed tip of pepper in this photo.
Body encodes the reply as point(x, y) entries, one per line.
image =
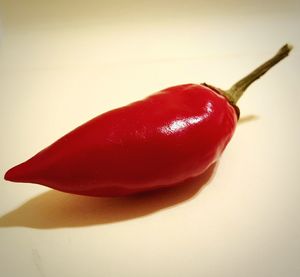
point(12, 174)
point(17, 173)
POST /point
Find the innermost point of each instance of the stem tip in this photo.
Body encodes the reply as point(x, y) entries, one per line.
point(237, 90)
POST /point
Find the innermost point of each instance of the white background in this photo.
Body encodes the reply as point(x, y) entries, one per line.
point(64, 62)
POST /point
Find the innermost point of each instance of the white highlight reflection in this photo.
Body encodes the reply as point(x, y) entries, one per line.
point(180, 124)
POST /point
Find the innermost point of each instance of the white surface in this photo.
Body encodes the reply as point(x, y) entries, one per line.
point(62, 63)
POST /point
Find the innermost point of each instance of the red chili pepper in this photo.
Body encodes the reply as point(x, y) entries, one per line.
point(164, 139)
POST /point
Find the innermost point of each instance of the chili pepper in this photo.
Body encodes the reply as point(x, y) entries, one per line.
point(157, 142)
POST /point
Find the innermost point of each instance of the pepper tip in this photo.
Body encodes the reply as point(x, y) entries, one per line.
point(8, 176)
point(16, 174)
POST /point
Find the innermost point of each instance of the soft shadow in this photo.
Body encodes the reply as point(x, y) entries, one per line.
point(54, 209)
point(247, 118)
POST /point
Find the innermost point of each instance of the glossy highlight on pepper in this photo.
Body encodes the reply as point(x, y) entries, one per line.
point(180, 125)
point(170, 136)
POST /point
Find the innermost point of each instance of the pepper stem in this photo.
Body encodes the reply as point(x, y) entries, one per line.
point(236, 91)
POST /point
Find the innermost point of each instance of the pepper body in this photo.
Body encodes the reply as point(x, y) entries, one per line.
point(157, 142)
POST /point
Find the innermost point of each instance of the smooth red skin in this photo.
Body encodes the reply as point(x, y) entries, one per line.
point(157, 142)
